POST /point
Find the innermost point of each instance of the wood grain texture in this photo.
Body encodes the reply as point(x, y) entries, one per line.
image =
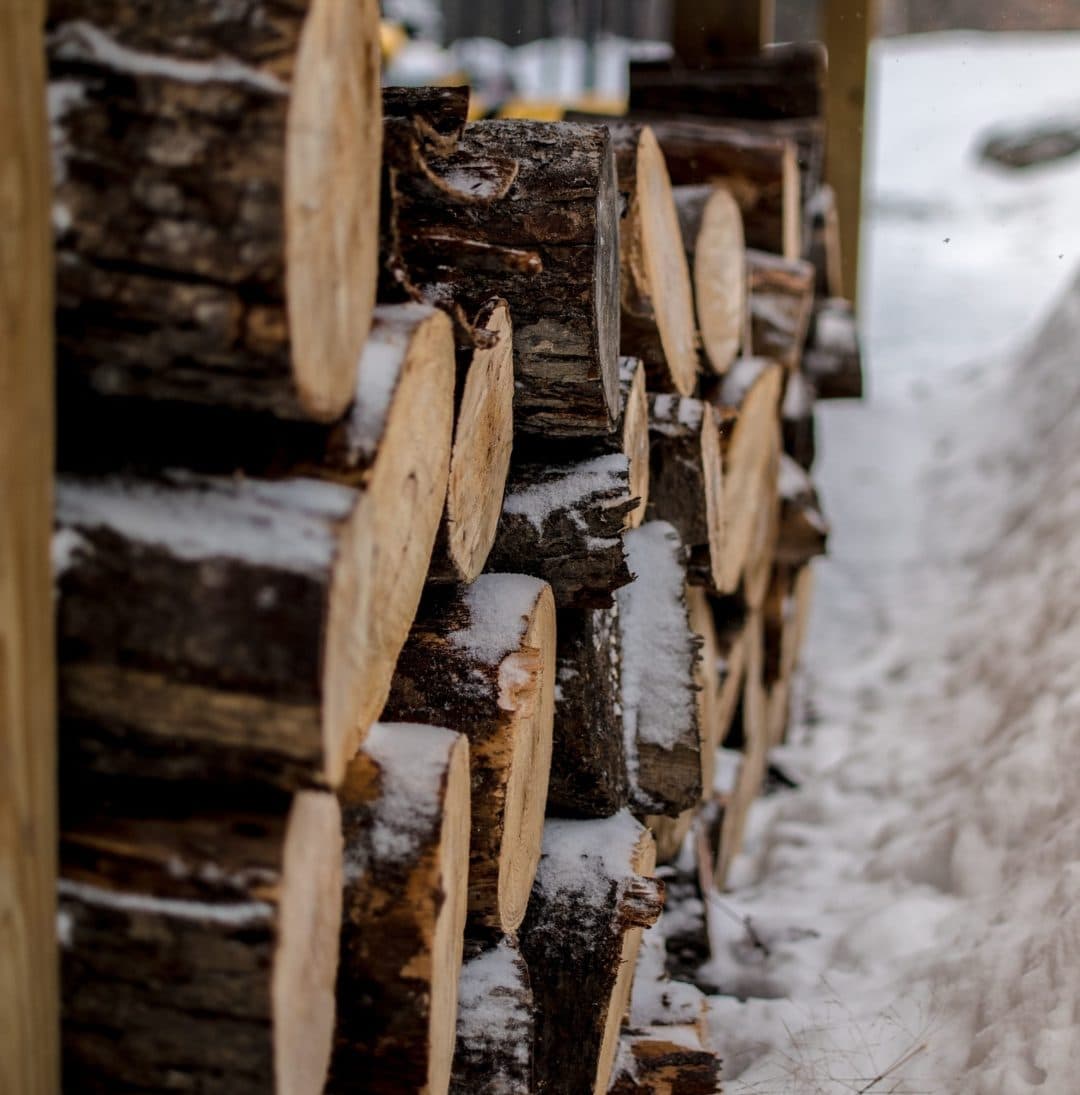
point(29, 1059)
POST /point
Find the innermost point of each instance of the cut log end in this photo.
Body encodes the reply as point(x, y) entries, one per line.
point(332, 200)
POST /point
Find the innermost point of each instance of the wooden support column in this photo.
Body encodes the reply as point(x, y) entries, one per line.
point(709, 28)
point(848, 27)
point(29, 1059)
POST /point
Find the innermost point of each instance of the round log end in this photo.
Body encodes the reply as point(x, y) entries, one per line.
point(529, 691)
point(306, 956)
point(449, 935)
point(387, 543)
point(635, 441)
point(666, 273)
point(483, 437)
point(334, 132)
point(720, 278)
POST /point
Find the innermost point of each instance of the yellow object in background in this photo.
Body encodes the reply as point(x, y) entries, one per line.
point(392, 36)
point(550, 110)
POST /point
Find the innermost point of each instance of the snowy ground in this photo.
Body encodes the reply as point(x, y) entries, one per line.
point(919, 895)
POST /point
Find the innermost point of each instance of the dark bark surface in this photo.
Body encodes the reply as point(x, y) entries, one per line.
point(781, 302)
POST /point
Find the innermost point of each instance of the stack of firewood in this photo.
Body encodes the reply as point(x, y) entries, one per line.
point(433, 508)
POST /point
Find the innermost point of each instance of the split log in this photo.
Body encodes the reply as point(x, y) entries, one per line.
point(659, 1001)
point(761, 172)
point(495, 1027)
point(804, 532)
point(797, 420)
point(658, 1061)
point(750, 390)
point(686, 473)
point(588, 768)
point(656, 298)
point(438, 114)
point(823, 230)
point(786, 614)
point(480, 456)
point(731, 671)
point(785, 81)
point(405, 813)
point(660, 718)
point(832, 359)
point(481, 660)
point(527, 211)
point(669, 833)
point(216, 239)
point(199, 949)
point(781, 303)
point(707, 679)
point(564, 524)
point(593, 896)
point(712, 232)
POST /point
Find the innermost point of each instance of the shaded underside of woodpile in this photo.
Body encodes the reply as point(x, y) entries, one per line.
point(433, 540)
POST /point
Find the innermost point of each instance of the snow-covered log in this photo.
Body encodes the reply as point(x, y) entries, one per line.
point(832, 358)
point(527, 211)
point(659, 702)
point(781, 302)
point(480, 660)
point(593, 896)
point(804, 531)
point(823, 230)
point(496, 1023)
point(199, 946)
point(713, 236)
point(564, 523)
point(216, 238)
point(798, 421)
point(405, 815)
point(588, 768)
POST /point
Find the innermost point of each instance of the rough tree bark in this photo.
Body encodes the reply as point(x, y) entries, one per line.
point(216, 240)
point(823, 230)
point(833, 360)
point(804, 532)
point(781, 303)
point(797, 420)
point(481, 660)
point(405, 814)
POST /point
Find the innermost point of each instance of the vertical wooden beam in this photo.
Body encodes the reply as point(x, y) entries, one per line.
point(29, 1057)
point(848, 28)
point(714, 28)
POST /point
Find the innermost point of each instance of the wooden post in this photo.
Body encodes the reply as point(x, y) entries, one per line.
point(708, 28)
point(29, 1060)
point(848, 27)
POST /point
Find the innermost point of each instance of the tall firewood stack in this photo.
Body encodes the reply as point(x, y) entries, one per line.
point(434, 515)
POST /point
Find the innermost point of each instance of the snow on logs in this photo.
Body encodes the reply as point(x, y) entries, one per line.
point(781, 303)
point(832, 360)
point(481, 660)
point(527, 211)
point(593, 896)
point(199, 948)
point(712, 232)
point(216, 239)
point(405, 817)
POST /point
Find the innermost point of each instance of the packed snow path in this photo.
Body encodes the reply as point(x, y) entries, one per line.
point(915, 903)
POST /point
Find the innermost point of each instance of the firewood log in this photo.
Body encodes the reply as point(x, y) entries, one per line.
point(495, 1027)
point(780, 82)
point(797, 420)
point(760, 171)
point(588, 767)
point(660, 717)
point(669, 833)
point(564, 524)
point(481, 660)
point(686, 473)
point(785, 617)
point(480, 456)
point(731, 671)
point(658, 1001)
point(707, 679)
point(712, 232)
point(438, 114)
point(199, 947)
point(659, 1061)
point(656, 297)
point(527, 211)
point(766, 530)
point(216, 238)
point(804, 532)
point(823, 229)
point(405, 814)
point(781, 302)
point(832, 359)
point(593, 896)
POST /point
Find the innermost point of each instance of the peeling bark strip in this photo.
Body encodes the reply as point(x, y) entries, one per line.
point(593, 896)
point(199, 950)
point(565, 524)
point(588, 767)
point(481, 660)
point(216, 241)
point(781, 303)
point(405, 814)
point(833, 360)
point(496, 1021)
point(527, 211)
point(687, 469)
point(660, 717)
